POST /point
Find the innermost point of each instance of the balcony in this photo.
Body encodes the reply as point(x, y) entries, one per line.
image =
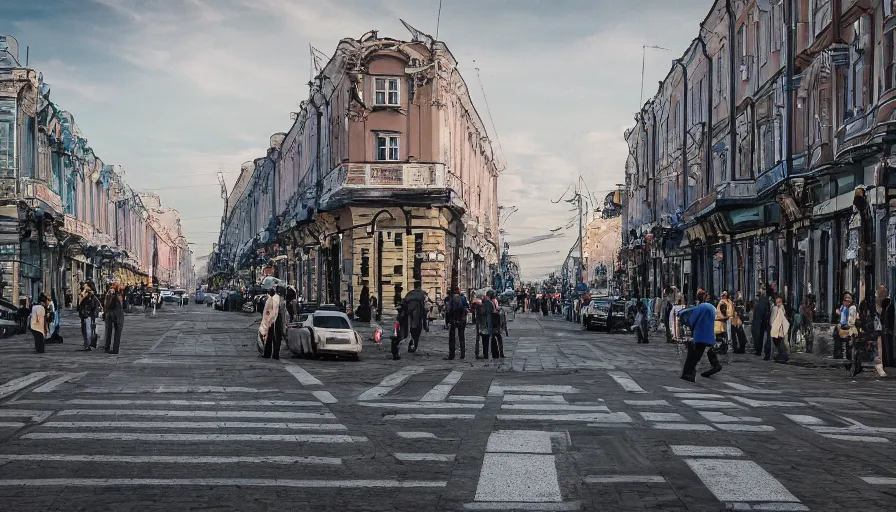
point(391, 183)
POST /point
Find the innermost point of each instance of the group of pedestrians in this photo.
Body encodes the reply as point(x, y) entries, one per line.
point(43, 318)
point(488, 318)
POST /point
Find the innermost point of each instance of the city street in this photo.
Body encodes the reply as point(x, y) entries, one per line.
point(188, 417)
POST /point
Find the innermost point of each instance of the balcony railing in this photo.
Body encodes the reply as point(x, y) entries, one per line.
point(405, 177)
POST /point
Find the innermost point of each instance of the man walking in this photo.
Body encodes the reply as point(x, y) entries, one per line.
point(38, 323)
point(761, 324)
point(88, 310)
point(456, 315)
point(484, 325)
point(411, 318)
point(273, 323)
point(701, 320)
point(113, 314)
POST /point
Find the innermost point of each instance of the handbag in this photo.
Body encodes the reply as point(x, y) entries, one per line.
point(51, 317)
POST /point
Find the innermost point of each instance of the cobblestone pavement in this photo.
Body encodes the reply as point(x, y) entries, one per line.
point(188, 417)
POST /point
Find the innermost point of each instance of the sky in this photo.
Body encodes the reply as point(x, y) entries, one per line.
point(176, 90)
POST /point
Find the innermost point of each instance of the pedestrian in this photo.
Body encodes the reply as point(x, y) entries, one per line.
point(882, 302)
point(88, 310)
point(484, 325)
point(807, 312)
point(761, 317)
point(780, 327)
point(675, 321)
point(456, 316)
point(545, 304)
point(845, 330)
point(24, 314)
point(888, 327)
point(113, 315)
point(412, 314)
point(38, 323)
point(724, 311)
point(701, 321)
point(290, 297)
point(497, 338)
point(273, 323)
point(52, 321)
point(640, 322)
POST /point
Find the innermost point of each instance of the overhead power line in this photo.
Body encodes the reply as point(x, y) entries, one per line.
point(490, 118)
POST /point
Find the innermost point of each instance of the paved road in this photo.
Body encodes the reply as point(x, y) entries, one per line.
point(187, 417)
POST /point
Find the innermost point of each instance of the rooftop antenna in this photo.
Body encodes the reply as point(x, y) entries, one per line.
point(438, 20)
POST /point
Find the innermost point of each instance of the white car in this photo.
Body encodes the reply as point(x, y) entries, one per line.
point(324, 332)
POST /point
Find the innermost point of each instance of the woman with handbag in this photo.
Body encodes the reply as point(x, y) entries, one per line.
point(88, 310)
point(780, 327)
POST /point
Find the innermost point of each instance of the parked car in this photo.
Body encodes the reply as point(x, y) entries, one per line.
point(324, 331)
point(597, 313)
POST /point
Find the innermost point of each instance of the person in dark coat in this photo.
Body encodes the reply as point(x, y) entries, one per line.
point(88, 310)
point(363, 312)
point(456, 316)
point(113, 314)
point(761, 324)
point(484, 325)
point(413, 310)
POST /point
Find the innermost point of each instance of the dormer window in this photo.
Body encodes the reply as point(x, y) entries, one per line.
point(386, 92)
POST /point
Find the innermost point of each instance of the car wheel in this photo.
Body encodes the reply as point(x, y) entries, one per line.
point(356, 357)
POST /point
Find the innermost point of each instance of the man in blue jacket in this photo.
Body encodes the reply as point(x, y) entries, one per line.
point(701, 321)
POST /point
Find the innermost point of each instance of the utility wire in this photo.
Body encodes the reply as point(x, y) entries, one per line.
point(438, 20)
point(490, 118)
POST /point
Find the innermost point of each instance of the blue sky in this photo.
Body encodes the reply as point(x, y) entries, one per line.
point(175, 90)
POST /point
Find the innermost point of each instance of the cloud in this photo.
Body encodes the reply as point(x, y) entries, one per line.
point(62, 76)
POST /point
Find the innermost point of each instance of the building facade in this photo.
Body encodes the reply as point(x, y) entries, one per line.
point(386, 180)
point(65, 215)
point(780, 167)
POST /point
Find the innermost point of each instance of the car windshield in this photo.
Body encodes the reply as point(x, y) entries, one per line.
point(330, 322)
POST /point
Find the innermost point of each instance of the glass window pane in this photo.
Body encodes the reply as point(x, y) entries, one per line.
point(380, 98)
point(380, 84)
point(393, 98)
point(393, 85)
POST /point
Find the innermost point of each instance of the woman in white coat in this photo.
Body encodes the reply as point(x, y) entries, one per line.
point(779, 330)
point(273, 324)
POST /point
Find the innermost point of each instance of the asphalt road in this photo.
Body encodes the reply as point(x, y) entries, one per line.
point(188, 417)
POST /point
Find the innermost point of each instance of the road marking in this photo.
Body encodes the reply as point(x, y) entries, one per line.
point(556, 399)
point(191, 403)
point(20, 383)
point(681, 426)
point(441, 390)
point(11, 424)
point(417, 457)
point(861, 439)
point(617, 479)
point(662, 416)
point(680, 390)
point(699, 396)
point(522, 441)
point(610, 417)
point(417, 435)
point(421, 405)
point(554, 407)
point(218, 482)
point(739, 481)
point(518, 477)
point(627, 383)
point(172, 459)
point(198, 414)
point(390, 382)
point(21, 413)
point(684, 450)
point(751, 390)
point(499, 390)
point(647, 403)
point(195, 438)
point(158, 342)
point(401, 417)
point(734, 427)
point(774, 507)
point(53, 384)
point(533, 507)
point(304, 378)
point(193, 424)
point(711, 404)
point(467, 398)
point(181, 389)
point(768, 403)
point(721, 417)
point(805, 420)
point(879, 480)
point(325, 397)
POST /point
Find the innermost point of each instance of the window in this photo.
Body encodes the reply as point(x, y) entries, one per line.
point(387, 147)
point(889, 58)
point(386, 92)
point(330, 322)
point(399, 240)
point(888, 8)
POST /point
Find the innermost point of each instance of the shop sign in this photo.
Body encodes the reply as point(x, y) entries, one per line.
point(357, 175)
point(386, 176)
point(38, 190)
